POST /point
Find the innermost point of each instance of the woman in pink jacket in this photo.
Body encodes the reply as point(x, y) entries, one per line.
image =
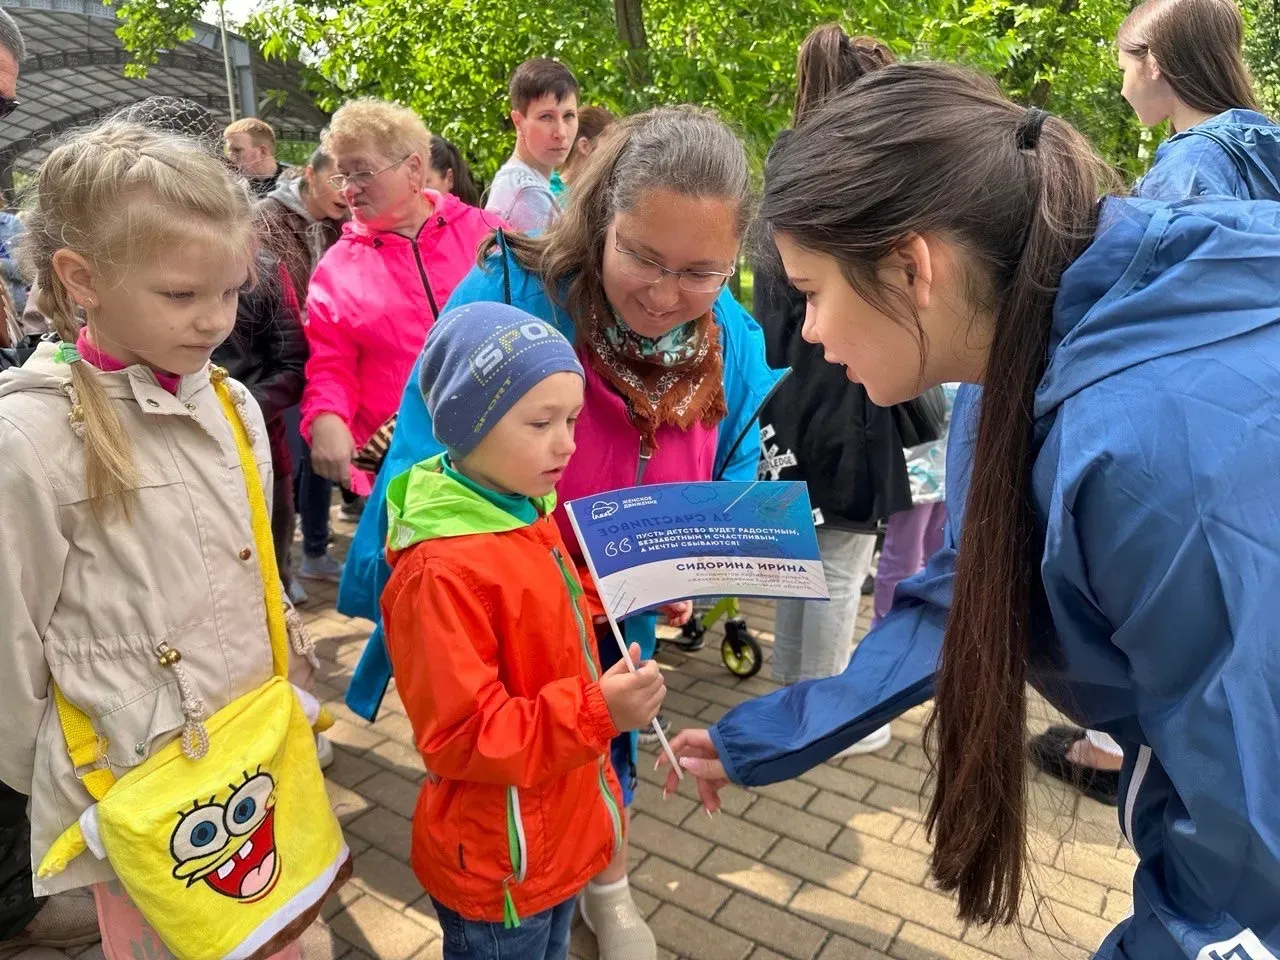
point(378, 290)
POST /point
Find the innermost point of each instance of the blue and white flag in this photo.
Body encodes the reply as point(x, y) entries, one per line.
point(654, 545)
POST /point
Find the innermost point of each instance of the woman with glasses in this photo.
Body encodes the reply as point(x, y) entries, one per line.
point(376, 292)
point(634, 272)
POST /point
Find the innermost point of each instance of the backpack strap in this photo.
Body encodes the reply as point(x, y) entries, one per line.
point(87, 749)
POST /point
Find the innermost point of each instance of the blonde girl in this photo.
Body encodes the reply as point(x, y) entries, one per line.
point(124, 518)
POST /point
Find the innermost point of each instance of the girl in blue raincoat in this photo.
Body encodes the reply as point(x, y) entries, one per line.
point(1183, 61)
point(1113, 525)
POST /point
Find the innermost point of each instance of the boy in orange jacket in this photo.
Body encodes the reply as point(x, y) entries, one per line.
point(492, 645)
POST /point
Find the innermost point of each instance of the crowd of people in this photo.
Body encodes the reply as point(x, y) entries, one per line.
point(1051, 394)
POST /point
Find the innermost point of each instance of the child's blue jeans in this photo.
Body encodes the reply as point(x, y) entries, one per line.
point(543, 936)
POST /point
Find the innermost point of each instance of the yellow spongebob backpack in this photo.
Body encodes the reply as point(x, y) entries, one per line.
point(224, 838)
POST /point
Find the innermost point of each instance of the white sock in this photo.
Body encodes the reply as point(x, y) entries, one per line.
point(607, 887)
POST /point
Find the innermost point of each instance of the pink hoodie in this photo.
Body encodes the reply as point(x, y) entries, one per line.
point(372, 300)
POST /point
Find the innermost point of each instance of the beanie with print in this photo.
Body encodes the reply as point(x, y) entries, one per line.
point(479, 361)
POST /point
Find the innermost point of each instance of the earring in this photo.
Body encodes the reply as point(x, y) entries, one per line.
point(89, 302)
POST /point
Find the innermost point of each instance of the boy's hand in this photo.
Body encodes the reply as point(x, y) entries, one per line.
point(633, 698)
point(678, 614)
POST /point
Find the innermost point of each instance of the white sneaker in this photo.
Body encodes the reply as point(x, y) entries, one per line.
point(324, 751)
point(323, 567)
point(297, 593)
point(869, 744)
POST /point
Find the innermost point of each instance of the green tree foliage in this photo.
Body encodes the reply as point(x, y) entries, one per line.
point(150, 26)
point(450, 59)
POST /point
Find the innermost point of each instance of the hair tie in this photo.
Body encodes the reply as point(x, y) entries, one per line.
point(66, 353)
point(1028, 133)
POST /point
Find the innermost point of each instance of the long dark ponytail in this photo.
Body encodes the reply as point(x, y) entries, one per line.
point(937, 151)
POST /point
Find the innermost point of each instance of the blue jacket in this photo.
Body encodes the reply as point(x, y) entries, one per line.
point(1157, 428)
point(1235, 154)
point(747, 379)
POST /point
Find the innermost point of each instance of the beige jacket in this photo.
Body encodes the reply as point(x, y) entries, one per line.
point(86, 606)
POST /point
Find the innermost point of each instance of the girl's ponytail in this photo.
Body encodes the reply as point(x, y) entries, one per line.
point(109, 470)
point(927, 150)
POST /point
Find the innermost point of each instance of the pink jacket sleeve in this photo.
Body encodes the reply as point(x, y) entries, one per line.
point(332, 378)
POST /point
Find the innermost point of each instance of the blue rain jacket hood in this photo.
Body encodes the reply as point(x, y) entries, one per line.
point(1157, 440)
point(1235, 154)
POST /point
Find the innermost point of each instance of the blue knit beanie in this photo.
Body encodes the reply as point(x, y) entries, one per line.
point(480, 360)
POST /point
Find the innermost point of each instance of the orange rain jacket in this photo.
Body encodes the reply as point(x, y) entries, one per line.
point(494, 660)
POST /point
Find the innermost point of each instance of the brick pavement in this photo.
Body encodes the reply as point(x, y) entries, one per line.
point(828, 867)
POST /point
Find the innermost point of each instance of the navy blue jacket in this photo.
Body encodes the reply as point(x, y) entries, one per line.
point(1156, 483)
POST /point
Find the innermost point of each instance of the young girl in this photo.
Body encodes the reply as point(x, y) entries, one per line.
point(1111, 532)
point(1183, 61)
point(123, 508)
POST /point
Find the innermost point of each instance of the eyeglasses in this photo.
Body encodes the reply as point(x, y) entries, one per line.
point(361, 178)
point(7, 106)
point(691, 281)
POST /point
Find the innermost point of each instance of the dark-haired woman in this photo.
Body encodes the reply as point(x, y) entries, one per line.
point(1183, 61)
point(821, 428)
point(1112, 532)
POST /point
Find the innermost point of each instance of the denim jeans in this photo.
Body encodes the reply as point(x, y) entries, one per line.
point(312, 494)
point(543, 936)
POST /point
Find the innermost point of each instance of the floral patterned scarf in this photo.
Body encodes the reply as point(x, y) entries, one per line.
point(677, 379)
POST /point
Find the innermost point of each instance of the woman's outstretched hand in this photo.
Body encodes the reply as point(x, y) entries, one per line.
point(697, 756)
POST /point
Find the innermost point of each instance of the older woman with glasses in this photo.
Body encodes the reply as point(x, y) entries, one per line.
point(376, 292)
point(634, 272)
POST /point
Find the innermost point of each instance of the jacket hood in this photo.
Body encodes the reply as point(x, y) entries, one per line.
point(1252, 142)
point(1160, 279)
point(289, 193)
point(425, 504)
point(448, 209)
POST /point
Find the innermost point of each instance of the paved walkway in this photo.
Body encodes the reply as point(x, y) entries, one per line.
point(831, 866)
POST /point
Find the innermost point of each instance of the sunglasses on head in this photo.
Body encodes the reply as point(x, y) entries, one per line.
point(8, 105)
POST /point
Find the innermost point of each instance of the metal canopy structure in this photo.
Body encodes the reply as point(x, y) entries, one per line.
point(74, 75)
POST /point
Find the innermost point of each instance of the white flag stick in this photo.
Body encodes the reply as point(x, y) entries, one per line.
point(617, 635)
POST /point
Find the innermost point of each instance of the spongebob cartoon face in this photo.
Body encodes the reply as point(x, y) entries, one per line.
point(231, 846)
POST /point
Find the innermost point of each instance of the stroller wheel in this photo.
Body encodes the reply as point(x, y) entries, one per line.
point(692, 635)
point(739, 650)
